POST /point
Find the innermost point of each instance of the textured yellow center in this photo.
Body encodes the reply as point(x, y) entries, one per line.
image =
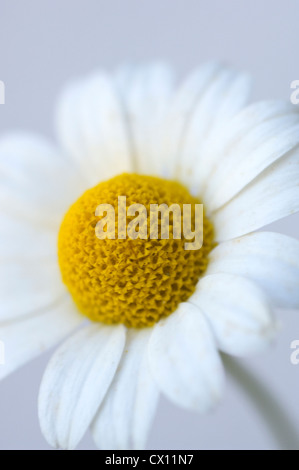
point(134, 282)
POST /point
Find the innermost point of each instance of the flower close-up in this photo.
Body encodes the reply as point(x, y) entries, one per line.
point(136, 318)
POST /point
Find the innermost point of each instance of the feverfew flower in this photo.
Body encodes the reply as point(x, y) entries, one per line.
point(145, 316)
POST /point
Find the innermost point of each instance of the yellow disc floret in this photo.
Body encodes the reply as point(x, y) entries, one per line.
point(131, 281)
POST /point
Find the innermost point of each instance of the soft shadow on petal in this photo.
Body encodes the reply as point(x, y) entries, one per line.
point(28, 289)
point(272, 195)
point(145, 92)
point(126, 414)
point(21, 240)
point(91, 128)
point(238, 312)
point(76, 381)
point(184, 360)
point(247, 155)
point(38, 182)
point(27, 338)
point(271, 260)
point(202, 104)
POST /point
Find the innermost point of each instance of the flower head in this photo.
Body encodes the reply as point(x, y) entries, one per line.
point(145, 314)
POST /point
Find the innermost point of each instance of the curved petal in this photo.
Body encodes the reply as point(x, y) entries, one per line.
point(233, 130)
point(145, 93)
point(271, 260)
point(37, 184)
point(25, 290)
point(22, 240)
point(246, 157)
point(238, 312)
point(76, 381)
point(184, 360)
point(125, 416)
point(223, 98)
point(26, 339)
point(181, 109)
point(210, 96)
point(272, 195)
point(91, 127)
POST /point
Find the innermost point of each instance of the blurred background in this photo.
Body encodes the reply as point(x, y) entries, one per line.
point(45, 43)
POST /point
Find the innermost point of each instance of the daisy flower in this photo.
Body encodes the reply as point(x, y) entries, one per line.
point(145, 316)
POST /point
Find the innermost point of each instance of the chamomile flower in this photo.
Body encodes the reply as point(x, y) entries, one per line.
point(145, 316)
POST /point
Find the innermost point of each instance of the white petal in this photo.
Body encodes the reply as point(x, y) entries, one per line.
point(272, 195)
point(184, 360)
point(233, 130)
point(22, 240)
point(24, 340)
point(76, 381)
point(146, 401)
point(223, 98)
point(27, 288)
point(271, 260)
point(247, 156)
point(202, 104)
point(37, 184)
point(91, 127)
point(125, 416)
point(145, 92)
point(181, 109)
point(238, 312)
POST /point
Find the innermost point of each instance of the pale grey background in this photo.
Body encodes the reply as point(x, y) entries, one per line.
point(42, 45)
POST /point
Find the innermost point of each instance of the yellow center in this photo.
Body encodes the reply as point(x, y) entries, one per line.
point(131, 281)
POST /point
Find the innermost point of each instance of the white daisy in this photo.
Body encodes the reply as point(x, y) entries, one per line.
point(241, 162)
